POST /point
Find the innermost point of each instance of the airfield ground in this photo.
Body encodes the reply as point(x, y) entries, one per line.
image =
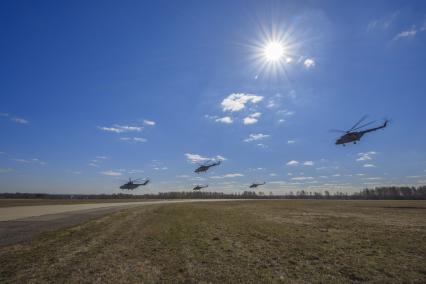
point(36, 202)
point(289, 241)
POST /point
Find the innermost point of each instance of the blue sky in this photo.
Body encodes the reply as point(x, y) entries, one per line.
point(94, 92)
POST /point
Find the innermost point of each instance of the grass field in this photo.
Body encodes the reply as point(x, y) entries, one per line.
point(31, 202)
point(231, 242)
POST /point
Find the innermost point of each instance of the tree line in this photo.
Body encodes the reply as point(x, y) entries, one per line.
point(378, 193)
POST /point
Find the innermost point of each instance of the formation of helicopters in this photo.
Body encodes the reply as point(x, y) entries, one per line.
point(353, 135)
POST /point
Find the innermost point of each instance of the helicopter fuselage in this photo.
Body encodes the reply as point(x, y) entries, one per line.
point(349, 137)
point(204, 168)
point(356, 135)
point(254, 185)
point(199, 187)
point(131, 185)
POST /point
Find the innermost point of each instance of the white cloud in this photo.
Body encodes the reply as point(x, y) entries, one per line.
point(195, 158)
point(382, 23)
point(5, 170)
point(373, 178)
point(102, 157)
point(149, 122)
point(406, 34)
point(133, 139)
point(273, 174)
point(228, 176)
point(111, 173)
point(369, 166)
point(237, 101)
point(292, 163)
point(252, 118)
point(309, 63)
point(4, 114)
point(308, 163)
point(302, 178)
point(183, 176)
point(285, 112)
point(256, 115)
point(30, 161)
point(249, 120)
point(291, 141)
point(254, 137)
point(19, 120)
point(116, 128)
point(367, 156)
point(225, 119)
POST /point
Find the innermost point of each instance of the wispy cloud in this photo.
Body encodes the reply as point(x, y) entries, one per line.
point(15, 119)
point(111, 173)
point(308, 163)
point(383, 23)
point(291, 141)
point(225, 119)
point(255, 137)
point(367, 156)
point(233, 175)
point(196, 158)
point(369, 166)
point(134, 139)
point(5, 170)
point(30, 161)
point(19, 120)
point(149, 122)
point(410, 33)
point(117, 128)
point(292, 163)
point(302, 178)
point(238, 101)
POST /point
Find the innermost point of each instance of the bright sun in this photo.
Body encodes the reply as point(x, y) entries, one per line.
point(273, 51)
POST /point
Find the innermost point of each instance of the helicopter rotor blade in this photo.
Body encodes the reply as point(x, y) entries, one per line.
point(364, 125)
point(338, 130)
point(356, 124)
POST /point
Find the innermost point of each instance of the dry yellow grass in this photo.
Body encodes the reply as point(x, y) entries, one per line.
point(233, 242)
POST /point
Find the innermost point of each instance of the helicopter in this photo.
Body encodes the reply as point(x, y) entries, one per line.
point(199, 187)
point(132, 184)
point(254, 185)
point(352, 135)
point(205, 167)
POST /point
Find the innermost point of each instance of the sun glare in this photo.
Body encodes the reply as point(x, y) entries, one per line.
point(273, 51)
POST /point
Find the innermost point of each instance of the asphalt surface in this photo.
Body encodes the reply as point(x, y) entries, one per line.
point(22, 223)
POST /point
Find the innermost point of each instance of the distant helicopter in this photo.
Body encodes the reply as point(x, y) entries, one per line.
point(132, 184)
point(352, 135)
point(199, 187)
point(205, 167)
point(254, 185)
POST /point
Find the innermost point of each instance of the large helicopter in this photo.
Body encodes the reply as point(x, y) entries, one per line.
point(254, 185)
point(205, 167)
point(352, 135)
point(199, 187)
point(132, 184)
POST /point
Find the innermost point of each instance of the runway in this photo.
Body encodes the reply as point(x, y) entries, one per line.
point(21, 223)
